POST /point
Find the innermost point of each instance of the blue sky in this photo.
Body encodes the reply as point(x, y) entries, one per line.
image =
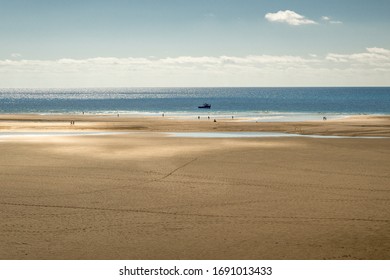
point(194, 43)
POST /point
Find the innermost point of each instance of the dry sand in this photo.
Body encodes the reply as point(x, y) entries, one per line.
point(148, 196)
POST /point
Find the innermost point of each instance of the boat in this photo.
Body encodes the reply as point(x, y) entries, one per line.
point(205, 106)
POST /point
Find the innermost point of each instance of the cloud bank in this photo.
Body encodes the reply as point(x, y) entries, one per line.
point(373, 57)
point(289, 17)
point(371, 67)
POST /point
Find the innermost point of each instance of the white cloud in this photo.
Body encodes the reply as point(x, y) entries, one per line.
point(180, 62)
point(289, 17)
point(329, 20)
point(372, 57)
point(371, 67)
point(16, 55)
point(380, 51)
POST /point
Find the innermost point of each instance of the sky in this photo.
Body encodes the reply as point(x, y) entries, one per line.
point(148, 43)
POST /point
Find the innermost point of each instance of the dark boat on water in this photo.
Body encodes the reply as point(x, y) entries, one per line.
point(205, 106)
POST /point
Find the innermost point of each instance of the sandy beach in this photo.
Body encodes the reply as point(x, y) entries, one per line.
point(145, 195)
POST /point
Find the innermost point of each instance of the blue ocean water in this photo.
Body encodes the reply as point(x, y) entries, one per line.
point(246, 102)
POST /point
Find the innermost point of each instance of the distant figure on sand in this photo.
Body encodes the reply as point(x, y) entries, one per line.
point(163, 114)
point(324, 118)
point(208, 117)
point(198, 117)
point(117, 115)
point(215, 120)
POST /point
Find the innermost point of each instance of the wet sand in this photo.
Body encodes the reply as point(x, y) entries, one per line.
point(148, 196)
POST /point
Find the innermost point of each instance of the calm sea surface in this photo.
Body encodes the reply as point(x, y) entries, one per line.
point(260, 103)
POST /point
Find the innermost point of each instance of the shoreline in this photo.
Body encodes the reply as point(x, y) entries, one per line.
point(358, 125)
point(261, 116)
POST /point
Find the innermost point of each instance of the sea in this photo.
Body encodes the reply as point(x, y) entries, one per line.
point(243, 103)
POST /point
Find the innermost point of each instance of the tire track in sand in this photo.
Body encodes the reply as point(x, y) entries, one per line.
point(146, 211)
